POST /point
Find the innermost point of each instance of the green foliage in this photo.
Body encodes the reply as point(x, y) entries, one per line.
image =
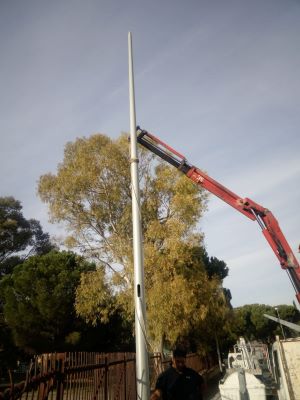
point(73, 338)
point(15, 230)
point(250, 322)
point(182, 305)
point(38, 299)
point(91, 194)
point(9, 353)
point(213, 266)
point(19, 237)
point(94, 301)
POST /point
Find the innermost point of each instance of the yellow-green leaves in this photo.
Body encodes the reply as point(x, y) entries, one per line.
point(93, 297)
point(177, 305)
point(91, 194)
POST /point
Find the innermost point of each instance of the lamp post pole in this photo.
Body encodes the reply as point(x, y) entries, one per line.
point(142, 368)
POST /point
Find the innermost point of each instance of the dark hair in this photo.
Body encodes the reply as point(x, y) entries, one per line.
point(179, 352)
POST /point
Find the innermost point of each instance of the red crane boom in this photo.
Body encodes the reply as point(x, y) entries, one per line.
point(266, 220)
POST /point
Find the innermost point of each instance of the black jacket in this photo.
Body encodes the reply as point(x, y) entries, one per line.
point(186, 385)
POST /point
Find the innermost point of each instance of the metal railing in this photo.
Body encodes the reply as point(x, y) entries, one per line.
point(88, 376)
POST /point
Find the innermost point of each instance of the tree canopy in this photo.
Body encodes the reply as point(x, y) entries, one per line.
point(19, 237)
point(39, 299)
point(91, 194)
point(249, 321)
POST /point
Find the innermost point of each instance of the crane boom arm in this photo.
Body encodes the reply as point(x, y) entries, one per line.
point(266, 220)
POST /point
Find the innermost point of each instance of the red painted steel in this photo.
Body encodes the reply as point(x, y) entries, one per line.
point(267, 221)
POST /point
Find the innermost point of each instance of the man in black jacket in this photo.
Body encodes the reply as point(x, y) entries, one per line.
point(178, 382)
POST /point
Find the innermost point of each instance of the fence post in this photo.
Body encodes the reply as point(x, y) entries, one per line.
point(125, 377)
point(11, 381)
point(106, 380)
point(60, 378)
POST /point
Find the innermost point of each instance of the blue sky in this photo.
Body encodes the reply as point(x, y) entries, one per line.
point(217, 80)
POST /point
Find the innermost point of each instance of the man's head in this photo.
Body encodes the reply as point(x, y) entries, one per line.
point(178, 359)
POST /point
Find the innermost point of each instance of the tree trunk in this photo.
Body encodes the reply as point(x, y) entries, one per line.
point(218, 352)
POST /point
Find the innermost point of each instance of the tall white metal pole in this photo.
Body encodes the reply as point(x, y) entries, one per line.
point(142, 368)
